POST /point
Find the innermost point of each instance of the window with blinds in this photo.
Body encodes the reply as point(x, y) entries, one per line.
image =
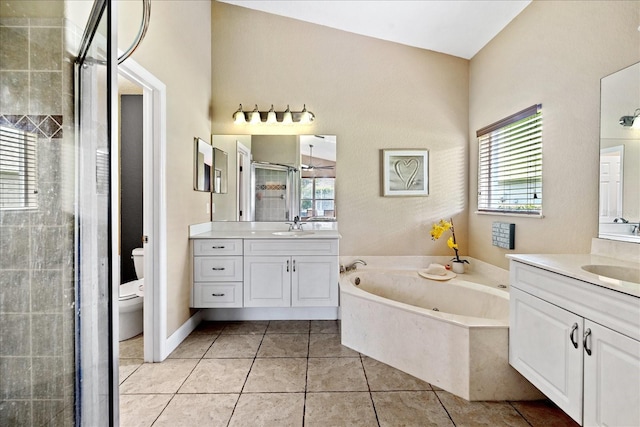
point(17, 169)
point(510, 164)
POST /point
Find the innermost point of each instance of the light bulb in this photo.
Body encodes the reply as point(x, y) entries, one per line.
point(238, 116)
point(271, 116)
point(255, 116)
point(287, 118)
point(305, 116)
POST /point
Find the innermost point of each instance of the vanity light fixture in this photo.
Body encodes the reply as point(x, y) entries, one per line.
point(286, 117)
point(631, 121)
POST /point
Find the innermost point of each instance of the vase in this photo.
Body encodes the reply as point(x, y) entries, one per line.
point(457, 267)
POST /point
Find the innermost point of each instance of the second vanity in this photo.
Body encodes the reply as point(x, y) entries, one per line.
point(575, 333)
point(258, 270)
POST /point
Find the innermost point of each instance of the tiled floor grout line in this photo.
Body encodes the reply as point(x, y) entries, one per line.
point(255, 356)
point(519, 413)
point(306, 377)
point(443, 406)
point(185, 379)
point(373, 404)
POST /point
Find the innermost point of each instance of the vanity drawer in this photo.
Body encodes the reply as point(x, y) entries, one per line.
point(271, 247)
point(217, 269)
point(206, 295)
point(217, 247)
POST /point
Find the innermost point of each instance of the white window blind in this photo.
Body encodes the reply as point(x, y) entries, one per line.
point(17, 169)
point(510, 164)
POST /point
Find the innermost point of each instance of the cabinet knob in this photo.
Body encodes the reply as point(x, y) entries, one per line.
point(294, 265)
point(585, 342)
point(217, 268)
point(287, 266)
point(574, 336)
point(217, 295)
point(217, 247)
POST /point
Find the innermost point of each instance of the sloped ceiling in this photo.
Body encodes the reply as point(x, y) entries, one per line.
point(458, 28)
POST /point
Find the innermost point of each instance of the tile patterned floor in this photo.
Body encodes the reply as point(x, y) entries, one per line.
point(294, 373)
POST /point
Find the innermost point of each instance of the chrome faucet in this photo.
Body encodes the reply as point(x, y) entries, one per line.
point(352, 266)
point(296, 224)
point(622, 220)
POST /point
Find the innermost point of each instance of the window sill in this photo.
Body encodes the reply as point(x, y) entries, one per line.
point(512, 214)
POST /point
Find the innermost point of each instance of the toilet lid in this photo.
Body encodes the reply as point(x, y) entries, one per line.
point(132, 289)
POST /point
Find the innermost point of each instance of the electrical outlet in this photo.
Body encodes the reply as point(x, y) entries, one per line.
point(208, 210)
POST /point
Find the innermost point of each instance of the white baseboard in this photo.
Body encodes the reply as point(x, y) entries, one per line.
point(183, 332)
point(270, 313)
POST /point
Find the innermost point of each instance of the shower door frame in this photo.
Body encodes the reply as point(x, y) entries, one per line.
point(89, 382)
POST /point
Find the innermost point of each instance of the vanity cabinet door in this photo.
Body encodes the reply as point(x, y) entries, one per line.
point(267, 281)
point(545, 346)
point(611, 378)
point(314, 281)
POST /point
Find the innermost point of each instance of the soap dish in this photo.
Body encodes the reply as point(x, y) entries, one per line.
point(448, 275)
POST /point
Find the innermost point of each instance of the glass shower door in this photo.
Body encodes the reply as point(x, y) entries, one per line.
point(96, 349)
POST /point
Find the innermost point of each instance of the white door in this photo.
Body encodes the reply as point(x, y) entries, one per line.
point(314, 281)
point(267, 281)
point(545, 346)
point(243, 179)
point(611, 183)
point(611, 378)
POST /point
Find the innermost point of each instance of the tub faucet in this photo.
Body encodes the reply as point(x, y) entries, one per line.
point(352, 266)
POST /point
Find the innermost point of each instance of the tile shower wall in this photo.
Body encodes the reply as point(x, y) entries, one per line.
point(37, 371)
point(271, 195)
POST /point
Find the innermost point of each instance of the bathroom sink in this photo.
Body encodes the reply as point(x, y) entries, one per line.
point(293, 233)
point(627, 274)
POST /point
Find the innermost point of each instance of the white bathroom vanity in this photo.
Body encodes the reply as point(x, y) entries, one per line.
point(575, 333)
point(260, 271)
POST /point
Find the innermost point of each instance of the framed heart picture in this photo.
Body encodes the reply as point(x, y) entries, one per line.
point(405, 172)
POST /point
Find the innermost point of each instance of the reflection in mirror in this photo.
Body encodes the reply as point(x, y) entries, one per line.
point(220, 162)
point(203, 165)
point(619, 206)
point(278, 177)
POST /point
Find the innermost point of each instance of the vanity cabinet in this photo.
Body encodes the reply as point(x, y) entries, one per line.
point(217, 273)
point(285, 273)
point(578, 343)
point(267, 273)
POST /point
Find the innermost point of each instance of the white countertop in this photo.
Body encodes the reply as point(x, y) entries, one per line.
point(570, 265)
point(262, 230)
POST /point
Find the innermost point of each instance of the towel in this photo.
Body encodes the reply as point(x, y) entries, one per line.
point(436, 270)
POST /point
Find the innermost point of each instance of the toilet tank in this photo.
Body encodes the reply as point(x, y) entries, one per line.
point(138, 261)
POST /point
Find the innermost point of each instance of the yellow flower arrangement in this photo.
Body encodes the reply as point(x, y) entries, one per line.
point(438, 228)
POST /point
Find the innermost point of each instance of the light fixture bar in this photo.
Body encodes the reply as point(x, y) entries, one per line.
point(241, 116)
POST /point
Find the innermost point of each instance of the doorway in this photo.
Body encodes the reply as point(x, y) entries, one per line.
point(153, 237)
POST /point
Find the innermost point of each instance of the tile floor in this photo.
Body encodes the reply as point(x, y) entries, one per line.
point(294, 373)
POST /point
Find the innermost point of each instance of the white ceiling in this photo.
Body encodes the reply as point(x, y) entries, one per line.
point(455, 27)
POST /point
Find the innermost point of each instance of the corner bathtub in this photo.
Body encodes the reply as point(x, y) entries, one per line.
point(452, 334)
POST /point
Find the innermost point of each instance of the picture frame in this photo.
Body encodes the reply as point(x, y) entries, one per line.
point(405, 173)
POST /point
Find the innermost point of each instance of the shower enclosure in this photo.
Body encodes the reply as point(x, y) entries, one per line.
point(58, 361)
point(275, 192)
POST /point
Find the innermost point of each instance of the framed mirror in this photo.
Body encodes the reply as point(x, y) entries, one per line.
point(619, 204)
point(203, 165)
point(278, 177)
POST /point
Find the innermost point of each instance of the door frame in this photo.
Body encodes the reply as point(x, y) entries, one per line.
point(154, 208)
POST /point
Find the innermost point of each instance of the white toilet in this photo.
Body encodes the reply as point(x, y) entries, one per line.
point(131, 298)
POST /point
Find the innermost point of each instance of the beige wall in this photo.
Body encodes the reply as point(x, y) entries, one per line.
point(177, 50)
point(372, 95)
point(553, 53)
